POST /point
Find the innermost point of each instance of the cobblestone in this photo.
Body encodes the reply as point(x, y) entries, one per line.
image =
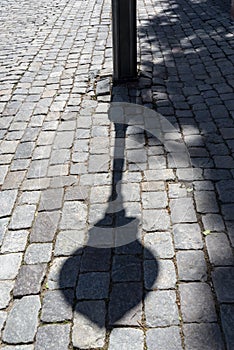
point(155, 220)
point(187, 236)
point(205, 335)
point(182, 210)
point(44, 227)
point(29, 279)
point(15, 241)
point(10, 264)
point(124, 338)
point(21, 326)
point(22, 217)
point(86, 333)
point(5, 290)
point(56, 307)
point(166, 278)
point(165, 304)
point(222, 256)
point(223, 282)
point(227, 313)
point(38, 253)
point(53, 337)
point(7, 198)
point(159, 244)
point(164, 338)
point(191, 265)
point(57, 146)
point(197, 303)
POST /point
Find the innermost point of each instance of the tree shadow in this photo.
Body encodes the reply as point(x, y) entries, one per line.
point(186, 74)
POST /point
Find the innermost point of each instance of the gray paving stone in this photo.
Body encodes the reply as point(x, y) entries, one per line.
point(53, 337)
point(230, 231)
point(156, 220)
point(216, 174)
point(159, 244)
point(126, 338)
point(7, 199)
point(5, 293)
point(100, 194)
point(166, 278)
point(227, 316)
point(122, 274)
point(187, 236)
point(69, 242)
point(21, 324)
point(37, 253)
point(63, 140)
point(45, 227)
point(203, 186)
point(10, 264)
point(3, 316)
point(13, 180)
point(74, 216)
point(177, 191)
point(58, 170)
point(93, 285)
point(164, 339)
point(224, 283)
point(226, 191)
point(60, 156)
point(41, 152)
point(3, 173)
point(45, 138)
point(95, 259)
point(204, 335)
point(51, 199)
point(182, 210)
point(223, 255)
point(158, 175)
point(98, 163)
point(89, 331)
point(18, 347)
point(189, 174)
point(154, 200)
point(14, 241)
point(8, 146)
point(20, 164)
point(57, 306)
point(3, 228)
point(22, 217)
point(29, 279)
point(153, 186)
point(76, 193)
point(63, 273)
point(24, 150)
point(224, 162)
point(125, 306)
point(35, 184)
point(213, 222)
point(206, 202)
point(191, 265)
point(38, 169)
point(227, 210)
point(161, 309)
point(197, 303)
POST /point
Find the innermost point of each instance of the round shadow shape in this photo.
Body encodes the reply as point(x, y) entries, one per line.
point(108, 282)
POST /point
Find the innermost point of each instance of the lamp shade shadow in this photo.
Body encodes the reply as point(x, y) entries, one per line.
point(108, 283)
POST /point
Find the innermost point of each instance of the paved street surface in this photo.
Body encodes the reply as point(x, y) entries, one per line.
point(173, 287)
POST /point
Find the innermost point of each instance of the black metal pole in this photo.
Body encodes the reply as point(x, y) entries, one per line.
point(124, 40)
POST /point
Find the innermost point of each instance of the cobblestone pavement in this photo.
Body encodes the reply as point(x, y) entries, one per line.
point(171, 289)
